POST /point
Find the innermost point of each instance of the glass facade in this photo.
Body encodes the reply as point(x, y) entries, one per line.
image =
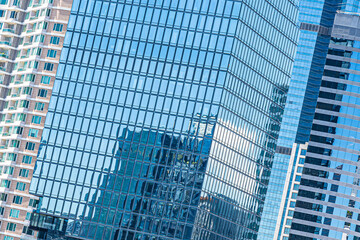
point(164, 119)
point(315, 20)
point(328, 200)
point(351, 6)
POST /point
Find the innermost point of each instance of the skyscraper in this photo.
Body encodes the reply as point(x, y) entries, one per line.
point(327, 205)
point(31, 37)
point(164, 119)
point(315, 20)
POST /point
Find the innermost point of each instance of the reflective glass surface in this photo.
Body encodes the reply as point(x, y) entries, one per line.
point(300, 106)
point(328, 200)
point(164, 119)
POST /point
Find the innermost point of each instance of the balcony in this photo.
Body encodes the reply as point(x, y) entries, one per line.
point(6, 43)
point(4, 53)
point(9, 30)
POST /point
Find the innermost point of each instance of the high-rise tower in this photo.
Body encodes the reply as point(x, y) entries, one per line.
point(31, 37)
point(164, 119)
point(315, 20)
point(328, 200)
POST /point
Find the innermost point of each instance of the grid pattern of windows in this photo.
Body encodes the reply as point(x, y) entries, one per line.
point(29, 32)
point(161, 112)
point(299, 112)
point(328, 199)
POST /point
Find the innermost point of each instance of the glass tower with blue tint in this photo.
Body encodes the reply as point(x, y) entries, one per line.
point(315, 19)
point(328, 200)
point(350, 6)
point(164, 119)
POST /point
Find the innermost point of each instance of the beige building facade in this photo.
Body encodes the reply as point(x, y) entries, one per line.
point(31, 37)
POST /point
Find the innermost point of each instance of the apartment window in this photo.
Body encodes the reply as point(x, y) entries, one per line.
point(8, 238)
point(33, 132)
point(2, 210)
point(39, 106)
point(48, 66)
point(33, 203)
point(298, 178)
point(38, 51)
point(58, 27)
point(3, 197)
point(14, 143)
point(5, 183)
point(14, 213)
point(28, 231)
point(39, 38)
point(2, 13)
point(30, 146)
point(292, 204)
point(55, 40)
point(28, 216)
point(18, 130)
point(299, 169)
point(303, 152)
point(42, 93)
point(13, 14)
point(51, 53)
point(12, 157)
point(30, 78)
point(45, 79)
point(296, 186)
point(287, 230)
point(24, 104)
point(301, 160)
point(27, 159)
point(36, 120)
point(17, 200)
point(21, 117)
point(11, 227)
point(8, 170)
point(34, 64)
point(294, 195)
point(20, 186)
point(24, 173)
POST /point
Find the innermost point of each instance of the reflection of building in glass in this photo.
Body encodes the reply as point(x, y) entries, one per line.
point(157, 105)
point(328, 203)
